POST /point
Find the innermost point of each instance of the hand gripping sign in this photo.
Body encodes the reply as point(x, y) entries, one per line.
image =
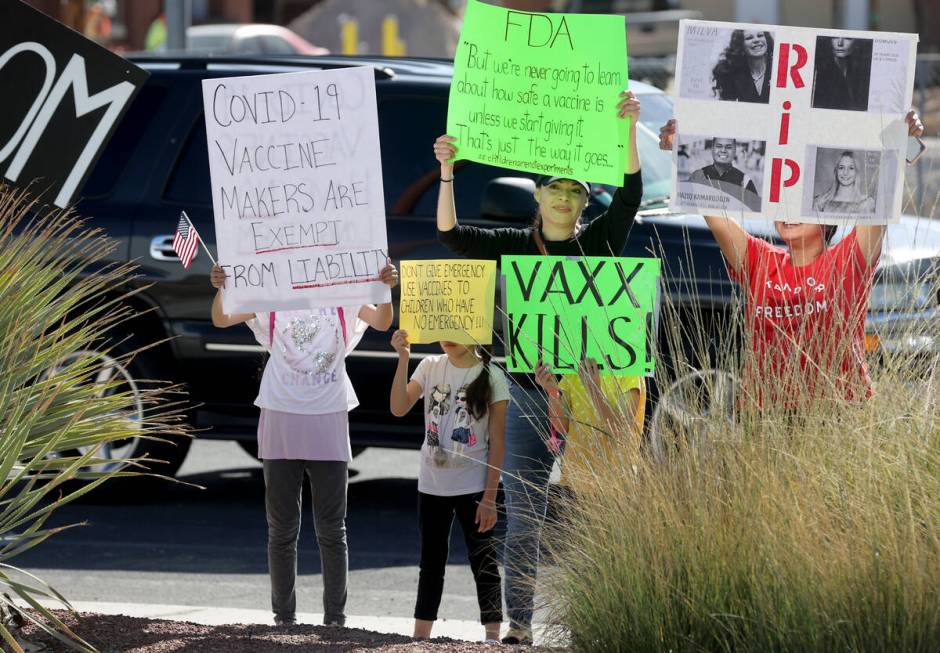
point(789, 123)
point(562, 310)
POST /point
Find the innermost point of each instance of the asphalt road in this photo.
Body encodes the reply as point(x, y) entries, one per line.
point(173, 544)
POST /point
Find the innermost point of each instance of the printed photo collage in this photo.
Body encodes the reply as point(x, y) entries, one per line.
point(724, 169)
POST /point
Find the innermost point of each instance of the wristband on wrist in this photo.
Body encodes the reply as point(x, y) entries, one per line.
point(446, 181)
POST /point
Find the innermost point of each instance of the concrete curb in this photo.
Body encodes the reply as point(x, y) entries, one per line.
point(464, 630)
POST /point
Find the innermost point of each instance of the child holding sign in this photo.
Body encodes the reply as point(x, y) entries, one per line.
point(305, 397)
point(806, 304)
point(557, 230)
point(599, 418)
point(465, 401)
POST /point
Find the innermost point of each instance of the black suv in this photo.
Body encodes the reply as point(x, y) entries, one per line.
point(157, 165)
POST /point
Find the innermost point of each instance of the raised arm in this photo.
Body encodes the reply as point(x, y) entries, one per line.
point(219, 318)
point(380, 317)
point(870, 238)
point(445, 151)
point(730, 236)
point(557, 417)
point(629, 107)
point(405, 393)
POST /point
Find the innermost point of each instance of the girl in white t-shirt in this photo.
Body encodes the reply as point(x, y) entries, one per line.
point(303, 429)
point(465, 402)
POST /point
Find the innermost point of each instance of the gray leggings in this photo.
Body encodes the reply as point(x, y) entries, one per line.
point(283, 483)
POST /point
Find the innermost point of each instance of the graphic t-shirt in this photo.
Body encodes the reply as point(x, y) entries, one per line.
point(806, 324)
point(455, 448)
point(588, 443)
point(306, 373)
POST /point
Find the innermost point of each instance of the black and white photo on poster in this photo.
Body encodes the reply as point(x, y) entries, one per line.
point(847, 183)
point(841, 73)
point(728, 64)
point(63, 98)
point(720, 172)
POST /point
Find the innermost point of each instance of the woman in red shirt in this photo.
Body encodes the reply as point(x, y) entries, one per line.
point(806, 304)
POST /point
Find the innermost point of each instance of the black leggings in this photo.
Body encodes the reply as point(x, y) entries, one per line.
point(435, 519)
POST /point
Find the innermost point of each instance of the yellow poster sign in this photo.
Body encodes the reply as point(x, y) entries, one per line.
point(448, 299)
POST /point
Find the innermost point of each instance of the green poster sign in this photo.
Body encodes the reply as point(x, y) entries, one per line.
point(538, 92)
point(561, 310)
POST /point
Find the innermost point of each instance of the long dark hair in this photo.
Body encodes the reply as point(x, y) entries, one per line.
point(479, 392)
point(536, 229)
point(733, 60)
point(831, 93)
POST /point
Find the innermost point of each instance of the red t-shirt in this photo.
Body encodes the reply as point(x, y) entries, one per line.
point(806, 324)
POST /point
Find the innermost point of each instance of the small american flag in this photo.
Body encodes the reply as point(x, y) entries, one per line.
point(185, 242)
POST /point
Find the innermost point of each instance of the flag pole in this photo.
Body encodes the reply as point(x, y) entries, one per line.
point(201, 242)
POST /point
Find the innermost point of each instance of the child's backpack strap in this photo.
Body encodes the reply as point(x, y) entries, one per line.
point(271, 329)
point(342, 323)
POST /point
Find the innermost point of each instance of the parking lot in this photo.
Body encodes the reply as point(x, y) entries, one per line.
point(176, 544)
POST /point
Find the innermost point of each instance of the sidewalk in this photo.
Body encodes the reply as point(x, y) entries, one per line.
point(465, 630)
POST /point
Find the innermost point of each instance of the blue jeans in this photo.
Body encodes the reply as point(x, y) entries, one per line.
point(526, 469)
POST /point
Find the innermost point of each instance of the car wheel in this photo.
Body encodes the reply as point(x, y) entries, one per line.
point(132, 376)
point(690, 409)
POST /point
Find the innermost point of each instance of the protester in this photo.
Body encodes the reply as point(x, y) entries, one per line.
point(465, 402)
point(743, 71)
point(596, 419)
point(805, 304)
point(845, 194)
point(304, 399)
point(556, 230)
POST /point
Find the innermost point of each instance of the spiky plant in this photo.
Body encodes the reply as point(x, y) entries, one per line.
point(62, 404)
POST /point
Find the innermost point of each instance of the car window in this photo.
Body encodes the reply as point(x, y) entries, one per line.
point(251, 45)
point(409, 169)
point(121, 147)
point(407, 128)
point(655, 164)
point(208, 42)
point(189, 183)
point(276, 45)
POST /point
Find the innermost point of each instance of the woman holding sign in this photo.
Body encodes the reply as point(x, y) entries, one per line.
point(806, 305)
point(557, 229)
point(304, 399)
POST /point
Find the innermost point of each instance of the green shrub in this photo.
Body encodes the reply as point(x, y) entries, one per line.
point(59, 408)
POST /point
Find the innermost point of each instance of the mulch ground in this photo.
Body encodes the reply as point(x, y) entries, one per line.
point(119, 634)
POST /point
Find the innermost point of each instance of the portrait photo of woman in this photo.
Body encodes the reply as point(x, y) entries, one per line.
point(842, 73)
point(743, 71)
point(849, 187)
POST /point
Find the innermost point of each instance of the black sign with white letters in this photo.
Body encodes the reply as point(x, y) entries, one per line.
point(61, 98)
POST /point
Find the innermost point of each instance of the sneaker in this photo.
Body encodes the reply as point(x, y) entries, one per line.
point(285, 620)
point(518, 636)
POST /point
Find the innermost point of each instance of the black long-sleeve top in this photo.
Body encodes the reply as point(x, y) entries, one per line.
point(606, 235)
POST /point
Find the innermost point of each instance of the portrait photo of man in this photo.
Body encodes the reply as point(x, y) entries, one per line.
point(722, 174)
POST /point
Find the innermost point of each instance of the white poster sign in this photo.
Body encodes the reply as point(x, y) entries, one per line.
point(787, 123)
point(297, 189)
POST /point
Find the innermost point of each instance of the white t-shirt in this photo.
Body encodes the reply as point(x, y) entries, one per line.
point(306, 373)
point(456, 446)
